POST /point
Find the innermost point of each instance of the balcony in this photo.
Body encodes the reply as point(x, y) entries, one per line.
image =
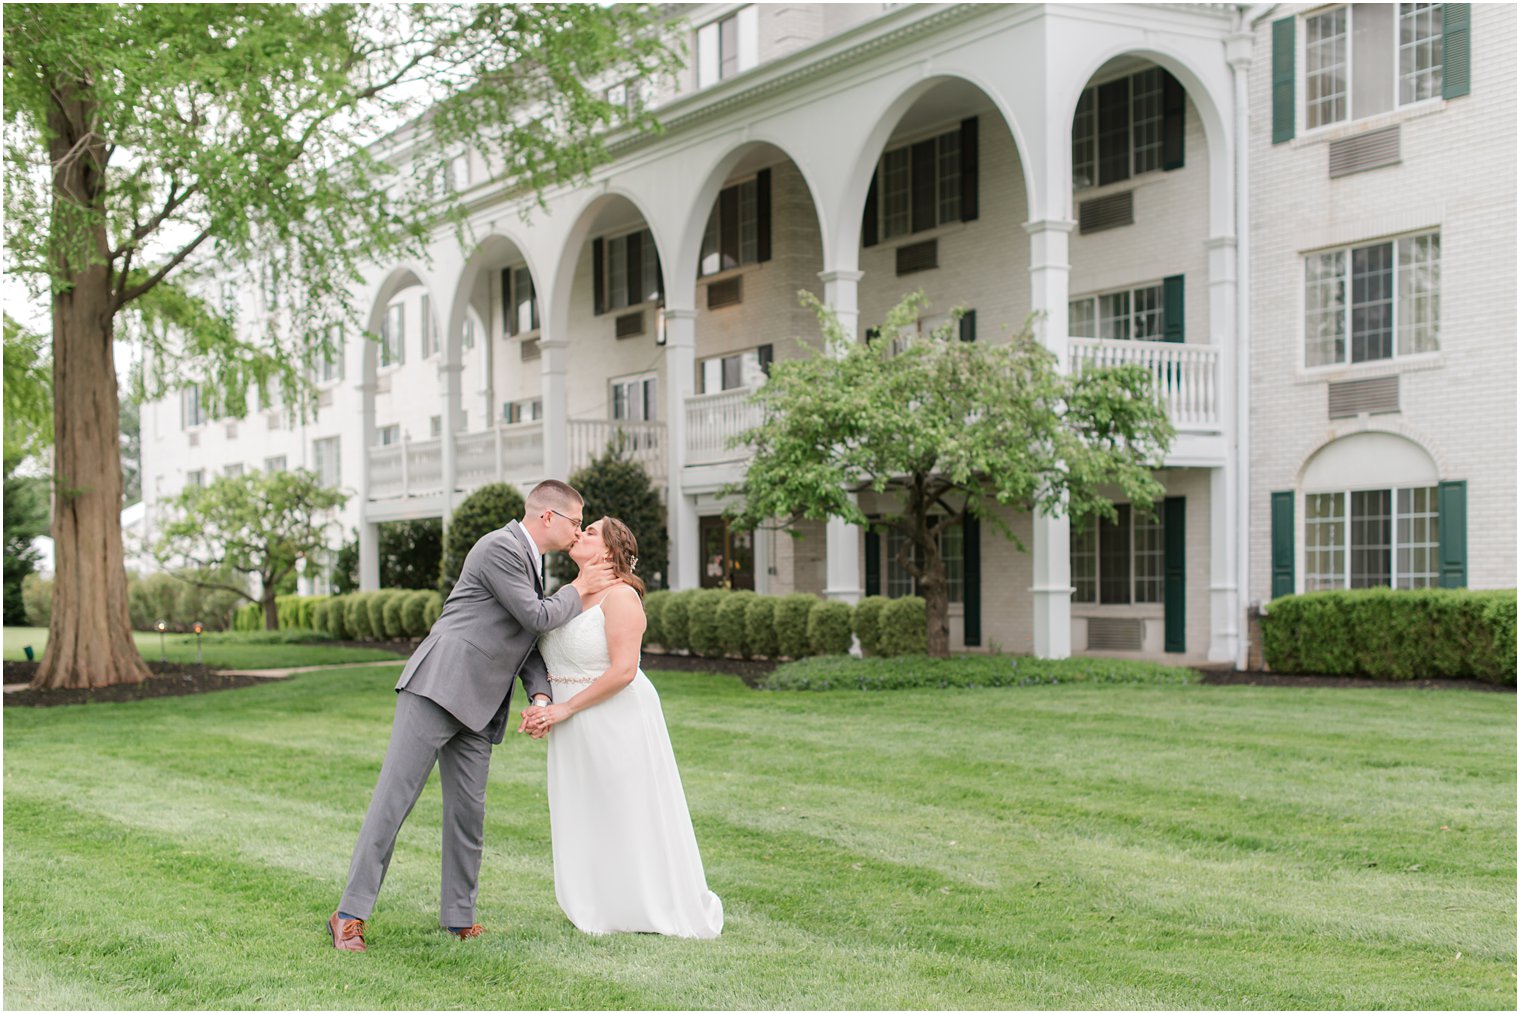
point(1186, 376)
point(713, 419)
point(410, 468)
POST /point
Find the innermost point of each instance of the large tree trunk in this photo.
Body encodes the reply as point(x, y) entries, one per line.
point(936, 594)
point(90, 636)
point(271, 609)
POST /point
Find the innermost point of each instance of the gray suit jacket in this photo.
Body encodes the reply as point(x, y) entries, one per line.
point(487, 635)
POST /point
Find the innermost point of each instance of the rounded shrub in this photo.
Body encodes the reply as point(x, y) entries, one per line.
point(702, 622)
point(249, 617)
point(335, 619)
point(356, 616)
point(828, 628)
point(392, 600)
point(654, 606)
point(479, 514)
point(674, 620)
point(309, 606)
point(904, 627)
point(318, 615)
point(412, 606)
point(733, 632)
point(432, 609)
point(868, 622)
point(760, 626)
point(287, 611)
point(791, 623)
point(37, 597)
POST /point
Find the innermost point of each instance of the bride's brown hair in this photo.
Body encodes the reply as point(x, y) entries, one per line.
point(624, 551)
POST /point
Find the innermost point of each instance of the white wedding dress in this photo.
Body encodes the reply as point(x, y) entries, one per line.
point(625, 855)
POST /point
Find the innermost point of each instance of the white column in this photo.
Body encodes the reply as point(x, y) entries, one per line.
point(1238, 49)
point(1224, 592)
point(680, 508)
point(369, 533)
point(841, 292)
point(369, 556)
point(449, 373)
point(1049, 270)
point(556, 359)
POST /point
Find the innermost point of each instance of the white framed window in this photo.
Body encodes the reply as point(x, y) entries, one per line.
point(1372, 302)
point(234, 471)
point(275, 464)
point(190, 412)
point(740, 369)
point(920, 185)
point(527, 410)
point(325, 458)
point(195, 479)
point(631, 96)
point(1118, 562)
point(1119, 129)
point(385, 436)
point(633, 399)
point(435, 427)
point(727, 46)
point(899, 582)
point(631, 270)
point(732, 236)
point(519, 300)
point(1368, 58)
point(393, 335)
point(1126, 315)
point(469, 332)
point(1372, 538)
point(330, 367)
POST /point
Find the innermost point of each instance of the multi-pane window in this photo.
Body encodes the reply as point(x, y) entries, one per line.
point(325, 461)
point(387, 435)
point(630, 96)
point(920, 185)
point(1119, 129)
point(1377, 538)
point(469, 332)
point(393, 335)
point(330, 367)
point(741, 369)
point(190, 413)
point(631, 270)
point(528, 410)
point(727, 46)
point(233, 471)
point(1118, 562)
point(195, 479)
point(520, 299)
point(1364, 59)
point(1372, 302)
point(899, 580)
point(732, 237)
point(1130, 314)
point(275, 464)
point(633, 399)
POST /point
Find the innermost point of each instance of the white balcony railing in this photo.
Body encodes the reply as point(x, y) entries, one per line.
point(1186, 376)
point(410, 468)
point(502, 453)
point(643, 442)
point(713, 419)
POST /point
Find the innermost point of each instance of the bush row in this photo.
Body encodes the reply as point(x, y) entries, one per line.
point(912, 671)
point(714, 622)
point(161, 596)
point(388, 614)
point(1394, 635)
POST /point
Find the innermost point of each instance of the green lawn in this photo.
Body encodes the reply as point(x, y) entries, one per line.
point(1057, 846)
point(220, 651)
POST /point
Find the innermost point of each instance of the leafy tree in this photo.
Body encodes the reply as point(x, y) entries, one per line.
point(615, 485)
point(26, 517)
point(131, 451)
point(345, 577)
point(479, 514)
point(257, 524)
point(151, 147)
point(953, 429)
point(411, 553)
point(28, 397)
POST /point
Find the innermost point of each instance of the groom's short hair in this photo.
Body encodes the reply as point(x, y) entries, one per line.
point(552, 495)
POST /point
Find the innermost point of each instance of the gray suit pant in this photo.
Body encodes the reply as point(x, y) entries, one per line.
point(424, 733)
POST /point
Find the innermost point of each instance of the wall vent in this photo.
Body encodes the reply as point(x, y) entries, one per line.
point(918, 257)
point(1107, 212)
point(1371, 150)
point(382, 383)
point(232, 431)
point(630, 325)
point(325, 398)
point(530, 350)
point(195, 439)
point(729, 292)
point(1377, 396)
point(1109, 634)
point(272, 419)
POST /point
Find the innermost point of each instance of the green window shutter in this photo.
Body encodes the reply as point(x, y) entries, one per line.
point(968, 326)
point(635, 289)
point(1282, 544)
point(971, 534)
point(509, 317)
point(1456, 50)
point(873, 562)
point(1173, 122)
point(1172, 311)
point(598, 277)
point(1452, 500)
point(763, 215)
point(1174, 571)
point(869, 225)
point(970, 174)
point(1283, 111)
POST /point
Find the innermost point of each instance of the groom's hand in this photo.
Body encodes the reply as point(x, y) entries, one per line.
point(533, 722)
point(594, 579)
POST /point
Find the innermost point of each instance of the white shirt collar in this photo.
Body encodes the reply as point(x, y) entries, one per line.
point(538, 556)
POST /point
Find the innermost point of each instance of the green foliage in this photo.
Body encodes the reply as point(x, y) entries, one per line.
point(183, 600)
point(356, 617)
point(28, 394)
point(432, 610)
point(654, 608)
point(412, 606)
point(833, 424)
point(37, 598)
point(791, 623)
point(309, 604)
point(702, 622)
point(411, 553)
point(334, 618)
point(902, 627)
point(345, 578)
point(760, 626)
point(868, 622)
point(25, 506)
point(393, 613)
point(613, 485)
point(733, 632)
point(828, 628)
point(1383, 633)
point(247, 618)
point(675, 624)
point(375, 606)
point(482, 512)
point(842, 672)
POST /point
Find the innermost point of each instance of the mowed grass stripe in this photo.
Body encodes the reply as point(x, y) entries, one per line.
point(1113, 846)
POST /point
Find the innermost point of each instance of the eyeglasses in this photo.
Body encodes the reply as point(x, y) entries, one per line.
point(574, 521)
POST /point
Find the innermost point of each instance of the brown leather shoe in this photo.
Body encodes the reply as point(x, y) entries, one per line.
point(469, 932)
point(347, 934)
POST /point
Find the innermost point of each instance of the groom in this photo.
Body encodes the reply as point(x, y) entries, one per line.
point(454, 699)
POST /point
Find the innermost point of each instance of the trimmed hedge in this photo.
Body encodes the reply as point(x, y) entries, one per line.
point(904, 627)
point(1389, 634)
point(248, 618)
point(654, 607)
point(674, 620)
point(432, 610)
point(760, 626)
point(356, 616)
point(791, 623)
point(842, 672)
point(868, 622)
point(411, 613)
point(828, 628)
point(733, 631)
point(702, 622)
point(394, 612)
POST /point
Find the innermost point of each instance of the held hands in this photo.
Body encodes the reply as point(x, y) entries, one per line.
point(536, 721)
point(594, 579)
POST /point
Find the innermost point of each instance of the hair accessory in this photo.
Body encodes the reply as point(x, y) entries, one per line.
point(633, 564)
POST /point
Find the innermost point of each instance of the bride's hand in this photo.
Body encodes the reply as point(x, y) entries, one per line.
point(551, 716)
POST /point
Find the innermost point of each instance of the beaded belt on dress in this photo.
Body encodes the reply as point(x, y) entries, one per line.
point(572, 679)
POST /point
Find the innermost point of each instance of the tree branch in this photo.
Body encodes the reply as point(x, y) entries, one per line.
point(185, 251)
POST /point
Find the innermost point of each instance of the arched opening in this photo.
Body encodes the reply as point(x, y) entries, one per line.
point(403, 400)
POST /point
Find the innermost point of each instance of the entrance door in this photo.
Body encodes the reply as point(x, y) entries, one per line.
point(728, 555)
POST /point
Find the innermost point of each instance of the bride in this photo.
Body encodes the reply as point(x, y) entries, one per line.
point(625, 855)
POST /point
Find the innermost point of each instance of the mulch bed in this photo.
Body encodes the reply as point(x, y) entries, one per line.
point(749, 670)
point(169, 680)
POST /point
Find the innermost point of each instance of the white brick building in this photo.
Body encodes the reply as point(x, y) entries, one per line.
point(1112, 167)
